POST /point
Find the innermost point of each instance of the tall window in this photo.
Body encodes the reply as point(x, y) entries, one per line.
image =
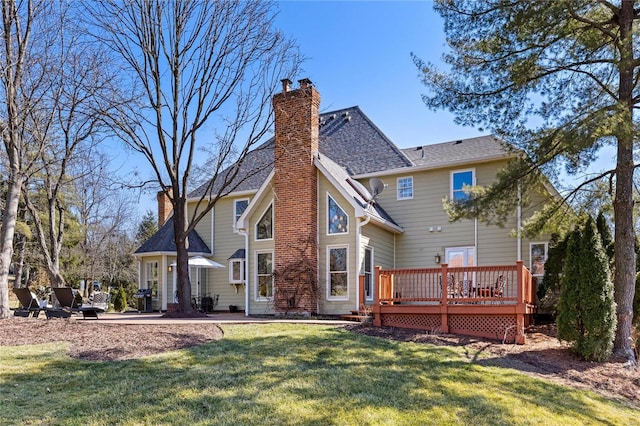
point(337, 273)
point(538, 258)
point(152, 278)
point(236, 271)
point(239, 206)
point(367, 271)
point(338, 221)
point(459, 181)
point(264, 275)
point(264, 227)
point(405, 188)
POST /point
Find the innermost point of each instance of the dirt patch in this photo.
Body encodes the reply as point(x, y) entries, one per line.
point(543, 356)
point(100, 341)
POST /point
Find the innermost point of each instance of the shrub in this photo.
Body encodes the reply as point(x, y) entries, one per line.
point(586, 309)
point(120, 300)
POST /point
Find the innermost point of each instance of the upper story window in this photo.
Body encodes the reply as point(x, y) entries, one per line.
point(239, 206)
point(405, 188)
point(264, 227)
point(460, 179)
point(338, 221)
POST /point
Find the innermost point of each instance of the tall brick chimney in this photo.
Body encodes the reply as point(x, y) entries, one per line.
point(295, 185)
point(164, 207)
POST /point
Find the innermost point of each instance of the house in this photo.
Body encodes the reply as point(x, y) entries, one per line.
point(323, 202)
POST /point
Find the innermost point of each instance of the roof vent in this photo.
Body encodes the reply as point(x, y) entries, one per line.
point(345, 114)
point(458, 142)
point(332, 116)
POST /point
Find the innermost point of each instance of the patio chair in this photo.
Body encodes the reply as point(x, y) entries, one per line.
point(98, 303)
point(29, 303)
point(497, 290)
point(453, 287)
point(66, 305)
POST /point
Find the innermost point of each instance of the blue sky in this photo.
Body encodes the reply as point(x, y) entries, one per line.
point(359, 54)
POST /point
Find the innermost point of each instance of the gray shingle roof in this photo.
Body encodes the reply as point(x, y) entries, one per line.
point(465, 150)
point(347, 136)
point(163, 241)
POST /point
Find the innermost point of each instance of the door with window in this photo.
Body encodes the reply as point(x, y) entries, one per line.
point(367, 271)
point(460, 257)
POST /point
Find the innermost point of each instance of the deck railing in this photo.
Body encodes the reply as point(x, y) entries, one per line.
point(504, 284)
point(488, 301)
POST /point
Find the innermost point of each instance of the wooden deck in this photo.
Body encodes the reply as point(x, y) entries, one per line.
point(485, 301)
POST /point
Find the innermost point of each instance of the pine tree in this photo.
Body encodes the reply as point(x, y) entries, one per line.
point(569, 321)
point(605, 234)
point(148, 226)
point(586, 311)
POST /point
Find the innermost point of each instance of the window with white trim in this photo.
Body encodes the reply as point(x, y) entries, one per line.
point(337, 219)
point(264, 227)
point(151, 278)
point(337, 273)
point(460, 180)
point(239, 206)
point(264, 275)
point(367, 271)
point(537, 257)
point(236, 271)
point(405, 188)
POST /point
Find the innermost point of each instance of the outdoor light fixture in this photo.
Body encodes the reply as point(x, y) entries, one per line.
point(170, 268)
point(437, 259)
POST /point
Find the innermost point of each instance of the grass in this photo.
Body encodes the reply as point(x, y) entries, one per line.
point(287, 374)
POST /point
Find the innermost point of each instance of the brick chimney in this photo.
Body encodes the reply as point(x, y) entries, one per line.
point(295, 185)
point(164, 207)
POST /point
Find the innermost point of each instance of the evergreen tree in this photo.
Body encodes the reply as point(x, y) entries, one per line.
point(148, 226)
point(550, 284)
point(120, 300)
point(587, 309)
point(569, 321)
point(605, 234)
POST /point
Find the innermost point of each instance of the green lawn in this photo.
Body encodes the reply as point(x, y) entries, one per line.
point(286, 374)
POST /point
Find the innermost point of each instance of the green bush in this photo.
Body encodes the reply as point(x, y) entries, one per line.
point(120, 300)
point(586, 308)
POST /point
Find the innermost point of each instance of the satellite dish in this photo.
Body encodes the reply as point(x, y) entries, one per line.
point(377, 186)
point(360, 189)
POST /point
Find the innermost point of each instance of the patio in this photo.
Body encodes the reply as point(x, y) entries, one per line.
point(495, 302)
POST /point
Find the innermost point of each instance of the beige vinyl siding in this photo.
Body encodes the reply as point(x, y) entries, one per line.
point(381, 241)
point(336, 307)
point(417, 246)
point(215, 281)
point(258, 307)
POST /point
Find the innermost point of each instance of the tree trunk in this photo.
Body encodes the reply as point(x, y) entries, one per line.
point(6, 238)
point(182, 261)
point(625, 264)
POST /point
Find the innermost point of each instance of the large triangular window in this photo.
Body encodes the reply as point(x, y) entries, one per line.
point(338, 221)
point(264, 227)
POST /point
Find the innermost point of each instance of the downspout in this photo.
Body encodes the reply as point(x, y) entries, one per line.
point(245, 234)
point(359, 258)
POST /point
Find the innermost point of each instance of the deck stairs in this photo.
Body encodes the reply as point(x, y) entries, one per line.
point(358, 316)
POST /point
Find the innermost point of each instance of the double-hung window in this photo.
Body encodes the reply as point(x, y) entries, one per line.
point(460, 180)
point(239, 206)
point(337, 273)
point(264, 275)
point(405, 188)
point(538, 258)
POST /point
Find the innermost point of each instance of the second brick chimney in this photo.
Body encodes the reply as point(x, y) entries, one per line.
point(295, 185)
point(164, 207)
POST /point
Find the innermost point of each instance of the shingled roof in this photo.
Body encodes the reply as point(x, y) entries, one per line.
point(163, 241)
point(464, 150)
point(347, 136)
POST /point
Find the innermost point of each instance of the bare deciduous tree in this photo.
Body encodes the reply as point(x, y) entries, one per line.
point(208, 71)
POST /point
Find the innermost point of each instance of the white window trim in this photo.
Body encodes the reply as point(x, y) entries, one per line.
point(453, 172)
point(546, 255)
point(235, 212)
point(231, 279)
point(147, 279)
point(328, 275)
point(255, 228)
point(329, 218)
point(256, 286)
point(398, 188)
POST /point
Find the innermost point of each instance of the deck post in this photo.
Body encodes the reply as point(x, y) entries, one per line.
point(520, 304)
point(444, 306)
point(377, 319)
point(361, 300)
